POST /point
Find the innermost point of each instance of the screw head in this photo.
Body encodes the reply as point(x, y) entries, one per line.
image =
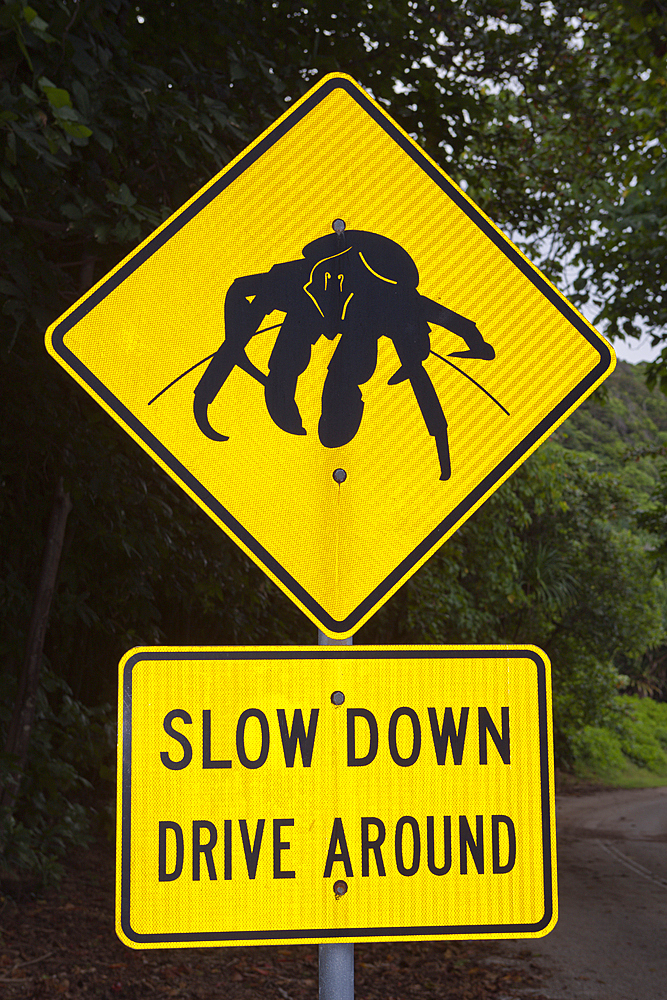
point(340, 475)
point(337, 698)
point(340, 888)
point(338, 226)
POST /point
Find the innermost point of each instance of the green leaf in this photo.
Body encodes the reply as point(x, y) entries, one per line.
point(182, 155)
point(76, 130)
point(9, 179)
point(123, 196)
point(57, 97)
point(21, 45)
point(36, 23)
point(29, 93)
point(105, 141)
point(81, 60)
point(67, 113)
point(11, 149)
point(81, 97)
point(71, 211)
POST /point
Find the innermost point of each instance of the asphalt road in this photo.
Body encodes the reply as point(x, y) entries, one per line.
point(610, 942)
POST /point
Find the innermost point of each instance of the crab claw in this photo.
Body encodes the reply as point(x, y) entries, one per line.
point(481, 352)
point(201, 416)
point(279, 397)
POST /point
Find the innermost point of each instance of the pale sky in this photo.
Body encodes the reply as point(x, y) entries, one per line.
point(636, 350)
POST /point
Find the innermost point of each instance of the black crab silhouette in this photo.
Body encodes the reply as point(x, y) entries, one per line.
point(362, 286)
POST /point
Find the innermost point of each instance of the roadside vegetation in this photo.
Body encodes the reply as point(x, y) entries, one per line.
point(623, 434)
point(629, 750)
point(112, 114)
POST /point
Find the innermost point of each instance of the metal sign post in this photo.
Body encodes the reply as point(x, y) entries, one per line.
point(336, 960)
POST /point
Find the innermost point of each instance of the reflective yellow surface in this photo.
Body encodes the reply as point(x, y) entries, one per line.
point(340, 543)
point(341, 793)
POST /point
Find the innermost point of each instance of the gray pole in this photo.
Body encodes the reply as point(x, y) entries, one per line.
point(336, 960)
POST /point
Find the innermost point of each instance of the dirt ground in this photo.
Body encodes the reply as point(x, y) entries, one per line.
point(61, 944)
point(609, 942)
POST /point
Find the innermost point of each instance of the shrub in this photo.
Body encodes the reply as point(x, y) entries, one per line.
point(67, 786)
point(634, 733)
point(597, 750)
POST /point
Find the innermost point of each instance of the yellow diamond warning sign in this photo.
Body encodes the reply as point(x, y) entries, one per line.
point(321, 794)
point(334, 352)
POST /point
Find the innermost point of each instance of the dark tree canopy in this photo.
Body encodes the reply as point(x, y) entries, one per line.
point(112, 114)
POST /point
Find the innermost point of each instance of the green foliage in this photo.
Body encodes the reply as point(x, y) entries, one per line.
point(635, 734)
point(99, 148)
point(643, 732)
point(597, 751)
point(69, 782)
point(112, 114)
point(622, 432)
point(618, 247)
point(626, 262)
point(654, 518)
point(547, 561)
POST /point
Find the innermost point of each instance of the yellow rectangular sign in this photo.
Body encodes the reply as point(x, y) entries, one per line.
point(329, 794)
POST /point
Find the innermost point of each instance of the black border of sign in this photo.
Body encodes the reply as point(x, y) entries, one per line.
point(207, 499)
point(357, 652)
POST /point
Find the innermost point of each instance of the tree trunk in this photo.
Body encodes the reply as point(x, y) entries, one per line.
point(20, 727)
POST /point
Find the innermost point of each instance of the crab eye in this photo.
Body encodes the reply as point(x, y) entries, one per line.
point(326, 279)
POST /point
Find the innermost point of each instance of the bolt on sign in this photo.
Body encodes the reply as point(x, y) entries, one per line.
point(334, 352)
point(321, 794)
